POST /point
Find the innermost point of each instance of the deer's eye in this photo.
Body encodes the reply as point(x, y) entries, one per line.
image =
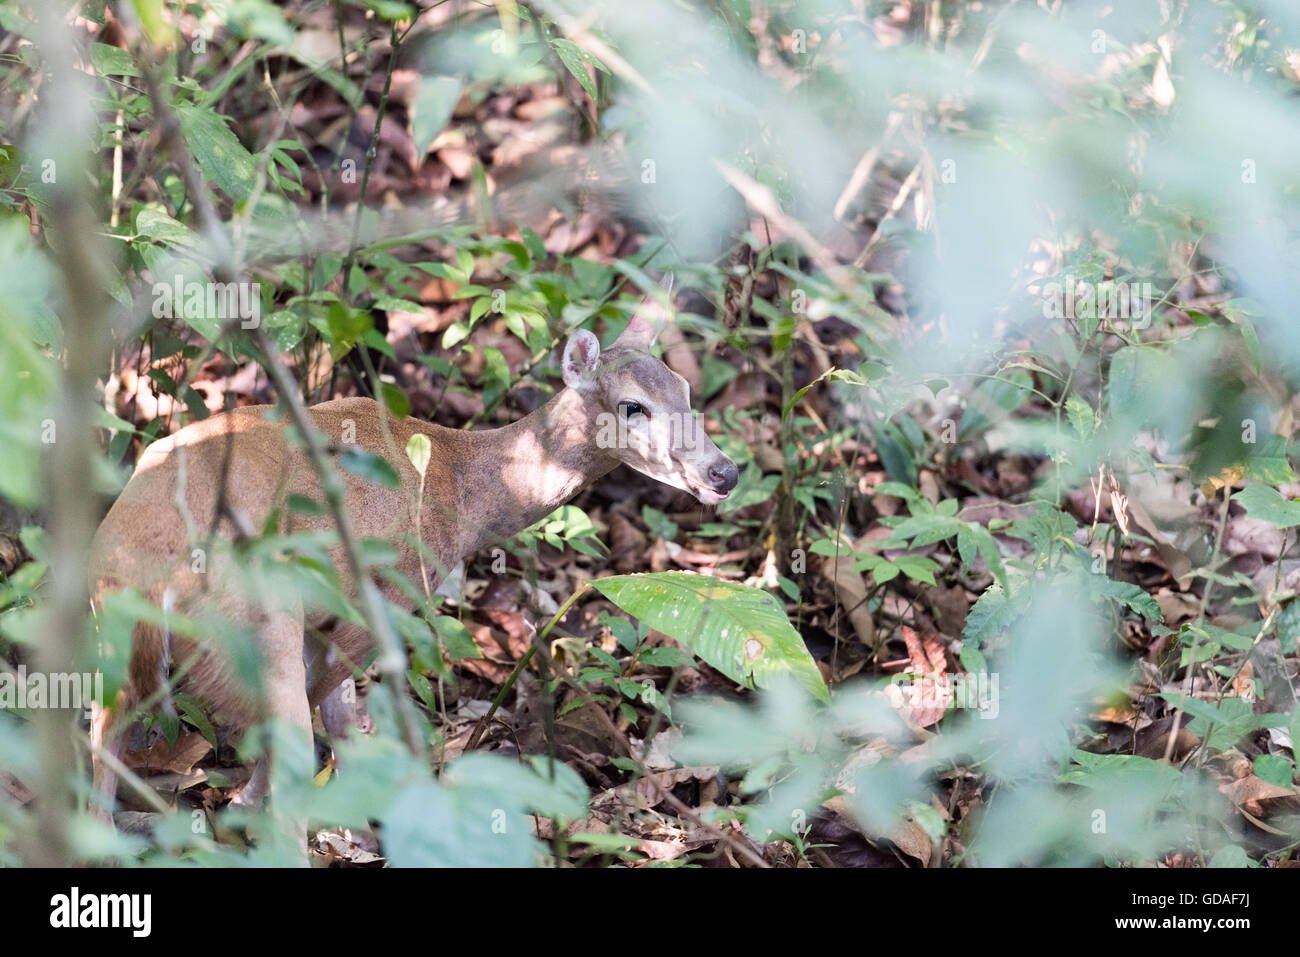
point(629, 409)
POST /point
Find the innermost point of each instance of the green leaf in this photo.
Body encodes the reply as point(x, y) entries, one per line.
point(1230, 855)
point(156, 224)
point(895, 453)
point(36, 541)
point(390, 9)
point(1097, 770)
point(418, 450)
point(1139, 376)
point(831, 548)
point(192, 711)
point(743, 632)
point(1269, 464)
point(575, 59)
point(370, 467)
point(1224, 723)
point(973, 660)
point(456, 639)
point(1081, 416)
point(664, 657)
point(111, 61)
point(398, 404)
point(1274, 769)
point(153, 21)
point(1288, 627)
point(1266, 503)
point(428, 825)
point(171, 727)
point(973, 540)
point(1237, 312)
point(898, 490)
point(993, 400)
point(750, 491)
point(835, 375)
point(990, 616)
point(917, 567)
point(305, 506)
point(658, 523)
point(1133, 596)
point(885, 572)
point(220, 155)
point(434, 102)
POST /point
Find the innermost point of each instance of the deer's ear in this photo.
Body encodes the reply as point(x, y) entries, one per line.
point(648, 320)
point(640, 334)
point(581, 355)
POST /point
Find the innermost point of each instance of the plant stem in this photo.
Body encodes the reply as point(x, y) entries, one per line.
point(484, 721)
point(1200, 618)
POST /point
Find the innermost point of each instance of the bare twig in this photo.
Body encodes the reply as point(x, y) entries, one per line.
point(78, 249)
point(1200, 618)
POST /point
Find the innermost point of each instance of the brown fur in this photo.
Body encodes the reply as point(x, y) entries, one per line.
point(480, 487)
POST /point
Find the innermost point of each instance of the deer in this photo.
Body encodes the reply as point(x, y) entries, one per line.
point(237, 469)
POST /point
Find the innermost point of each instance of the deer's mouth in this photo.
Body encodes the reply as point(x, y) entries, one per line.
point(708, 496)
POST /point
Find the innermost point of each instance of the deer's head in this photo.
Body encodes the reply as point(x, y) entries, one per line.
point(642, 411)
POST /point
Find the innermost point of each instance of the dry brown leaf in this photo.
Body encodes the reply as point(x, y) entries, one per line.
point(852, 594)
point(650, 788)
point(1225, 479)
point(1115, 714)
point(661, 850)
point(679, 357)
point(1153, 740)
point(627, 544)
point(912, 840)
point(1247, 791)
point(190, 747)
point(335, 846)
point(15, 789)
point(908, 836)
point(1243, 685)
point(923, 701)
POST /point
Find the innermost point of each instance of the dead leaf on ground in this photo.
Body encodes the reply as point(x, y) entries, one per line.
point(1246, 793)
point(924, 699)
point(852, 593)
point(189, 749)
point(344, 847)
point(908, 836)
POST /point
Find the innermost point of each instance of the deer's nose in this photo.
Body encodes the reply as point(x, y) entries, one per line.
point(724, 475)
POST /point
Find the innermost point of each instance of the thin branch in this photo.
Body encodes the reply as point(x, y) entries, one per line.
point(79, 251)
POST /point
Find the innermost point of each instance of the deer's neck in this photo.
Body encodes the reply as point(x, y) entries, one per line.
point(514, 476)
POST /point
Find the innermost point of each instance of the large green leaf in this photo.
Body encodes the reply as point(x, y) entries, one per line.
point(1269, 463)
point(743, 632)
point(1266, 503)
point(435, 99)
point(476, 816)
point(218, 151)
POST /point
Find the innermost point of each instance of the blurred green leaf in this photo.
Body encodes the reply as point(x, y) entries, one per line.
point(743, 632)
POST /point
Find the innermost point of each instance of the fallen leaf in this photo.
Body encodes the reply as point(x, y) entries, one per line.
point(1246, 793)
point(923, 699)
point(190, 747)
point(852, 594)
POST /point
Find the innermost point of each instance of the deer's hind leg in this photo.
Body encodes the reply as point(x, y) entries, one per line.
point(329, 678)
point(284, 694)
